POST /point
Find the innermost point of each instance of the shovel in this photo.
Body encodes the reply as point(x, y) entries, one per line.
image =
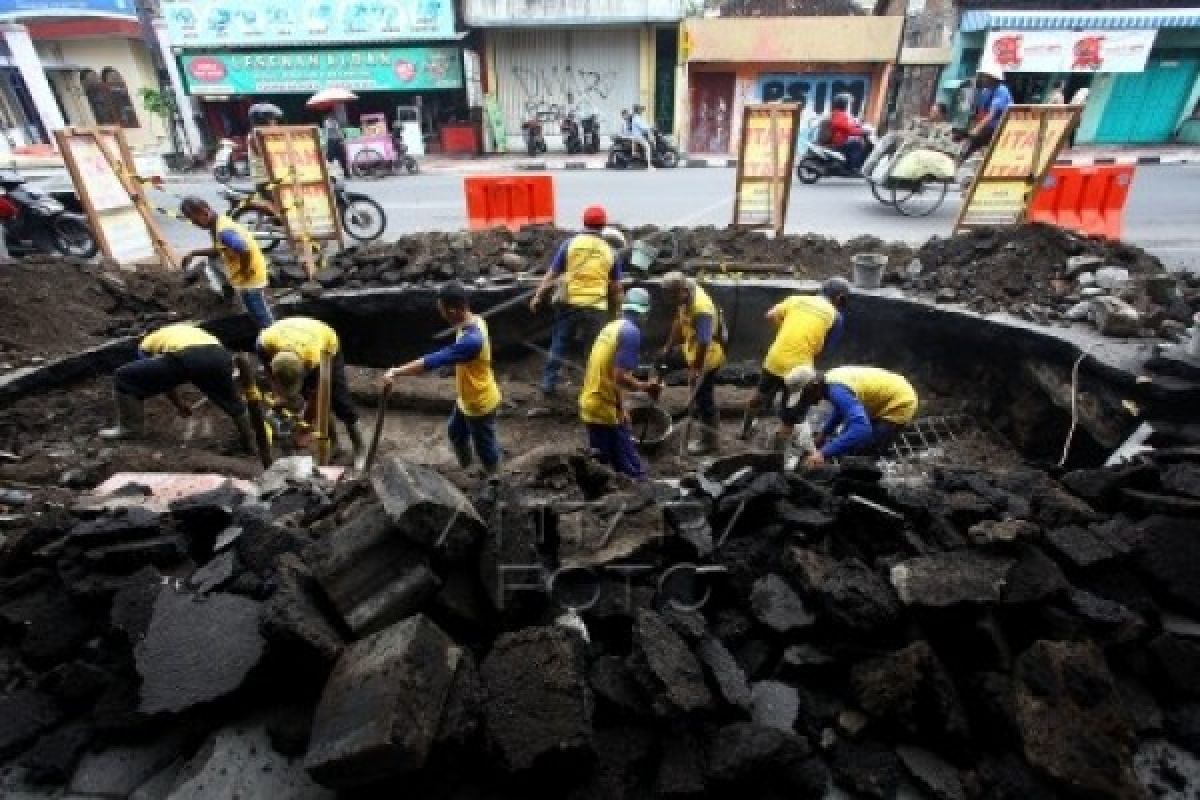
point(377, 434)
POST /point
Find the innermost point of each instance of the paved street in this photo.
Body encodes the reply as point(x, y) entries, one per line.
point(1162, 215)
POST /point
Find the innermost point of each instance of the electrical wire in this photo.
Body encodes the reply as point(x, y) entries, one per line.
point(1062, 462)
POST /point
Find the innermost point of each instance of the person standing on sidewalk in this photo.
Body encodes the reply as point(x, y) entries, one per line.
point(473, 420)
point(245, 264)
point(335, 143)
point(700, 325)
point(1057, 95)
point(586, 278)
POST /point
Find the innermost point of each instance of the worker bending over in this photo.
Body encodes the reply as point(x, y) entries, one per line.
point(587, 282)
point(609, 375)
point(701, 327)
point(245, 264)
point(167, 359)
point(291, 352)
point(807, 327)
point(870, 406)
point(474, 417)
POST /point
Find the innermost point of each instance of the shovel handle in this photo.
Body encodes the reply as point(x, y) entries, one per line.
point(377, 434)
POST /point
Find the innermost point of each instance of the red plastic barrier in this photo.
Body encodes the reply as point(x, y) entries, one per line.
point(509, 201)
point(1089, 200)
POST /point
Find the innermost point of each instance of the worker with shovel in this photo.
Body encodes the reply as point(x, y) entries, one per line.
point(610, 373)
point(291, 350)
point(807, 327)
point(701, 327)
point(167, 359)
point(245, 264)
point(473, 420)
point(870, 406)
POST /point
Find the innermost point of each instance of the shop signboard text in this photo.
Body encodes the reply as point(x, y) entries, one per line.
point(24, 9)
point(1068, 51)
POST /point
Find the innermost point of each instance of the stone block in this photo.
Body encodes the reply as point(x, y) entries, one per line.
point(238, 761)
point(24, 715)
point(951, 580)
point(777, 606)
point(427, 508)
point(293, 615)
point(667, 669)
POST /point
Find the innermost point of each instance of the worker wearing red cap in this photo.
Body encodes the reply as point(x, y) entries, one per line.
point(586, 279)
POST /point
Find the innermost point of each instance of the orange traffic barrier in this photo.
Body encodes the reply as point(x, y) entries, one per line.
point(509, 201)
point(1088, 200)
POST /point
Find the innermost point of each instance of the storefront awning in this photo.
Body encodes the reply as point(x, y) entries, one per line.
point(1073, 20)
point(748, 40)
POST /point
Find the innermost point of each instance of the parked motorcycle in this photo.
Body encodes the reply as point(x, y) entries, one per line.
point(591, 134)
point(36, 222)
point(231, 161)
point(820, 161)
point(623, 153)
point(569, 128)
point(404, 161)
point(535, 139)
point(363, 219)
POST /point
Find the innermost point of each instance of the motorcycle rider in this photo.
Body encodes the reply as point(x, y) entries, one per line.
point(845, 134)
point(641, 133)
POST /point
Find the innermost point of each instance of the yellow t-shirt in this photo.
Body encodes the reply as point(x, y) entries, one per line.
point(599, 399)
point(478, 394)
point(806, 321)
point(255, 275)
point(588, 271)
point(305, 337)
point(173, 338)
point(885, 395)
point(702, 304)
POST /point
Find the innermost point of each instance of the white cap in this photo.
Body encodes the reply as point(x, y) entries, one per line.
point(799, 378)
point(992, 72)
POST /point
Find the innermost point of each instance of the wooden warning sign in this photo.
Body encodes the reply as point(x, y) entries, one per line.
point(101, 168)
point(1025, 146)
point(296, 167)
point(765, 159)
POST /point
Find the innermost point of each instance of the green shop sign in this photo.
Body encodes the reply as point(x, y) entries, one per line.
point(309, 71)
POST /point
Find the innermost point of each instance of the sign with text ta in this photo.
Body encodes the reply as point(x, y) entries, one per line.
point(765, 158)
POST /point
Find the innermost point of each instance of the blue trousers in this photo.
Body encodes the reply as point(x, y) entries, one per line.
point(481, 431)
point(255, 301)
point(613, 446)
point(855, 152)
point(574, 331)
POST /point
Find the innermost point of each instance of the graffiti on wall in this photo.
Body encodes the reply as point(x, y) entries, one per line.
point(549, 93)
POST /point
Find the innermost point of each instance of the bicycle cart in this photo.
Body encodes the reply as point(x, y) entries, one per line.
point(912, 170)
point(375, 152)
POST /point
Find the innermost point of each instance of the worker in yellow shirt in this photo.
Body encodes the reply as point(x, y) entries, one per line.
point(700, 325)
point(245, 264)
point(806, 327)
point(167, 359)
point(870, 406)
point(587, 278)
point(610, 373)
point(474, 417)
point(291, 351)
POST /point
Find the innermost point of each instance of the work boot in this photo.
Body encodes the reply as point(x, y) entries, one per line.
point(131, 418)
point(463, 454)
point(245, 431)
point(358, 450)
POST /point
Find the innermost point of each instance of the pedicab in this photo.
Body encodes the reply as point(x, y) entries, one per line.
point(911, 170)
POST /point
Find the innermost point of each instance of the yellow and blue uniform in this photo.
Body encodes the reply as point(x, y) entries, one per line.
point(869, 406)
point(700, 322)
point(174, 338)
point(474, 415)
point(233, 244)
point(177, 354)
point(617, 346)
point(308, 338)
point(808, 325)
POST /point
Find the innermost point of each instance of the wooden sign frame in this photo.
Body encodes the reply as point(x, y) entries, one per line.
point(779, 183)
point(283, 175)
point(111, 143)
point(1015, 182)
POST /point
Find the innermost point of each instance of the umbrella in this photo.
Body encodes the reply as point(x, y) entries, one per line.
point(327, 98)
point(266, 108)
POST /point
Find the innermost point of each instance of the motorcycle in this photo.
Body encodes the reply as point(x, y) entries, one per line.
point(820, 161)
point(231, 161)
point(363, 219)
point(403, 160)
point(36, 222)
point(623, 153)
point(535, 140)
point(569, 129)
point(591, 134)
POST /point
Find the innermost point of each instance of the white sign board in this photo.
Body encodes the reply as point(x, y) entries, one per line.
point(1068, 51)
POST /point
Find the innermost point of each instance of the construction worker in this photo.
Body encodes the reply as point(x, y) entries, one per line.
point(870, 406)
point(587, 282)
point(474, 417)
point(807, 326)
point(610, 366)
point(245, 264)
point(291, 350)
point(167, 359)
point(701, 327)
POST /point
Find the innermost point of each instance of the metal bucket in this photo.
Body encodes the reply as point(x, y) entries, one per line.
point(651, 427)
point(643, 255)
point(868, 270)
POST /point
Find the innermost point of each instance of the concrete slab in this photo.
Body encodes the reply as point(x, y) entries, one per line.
point(238, 761)
point(118, 771)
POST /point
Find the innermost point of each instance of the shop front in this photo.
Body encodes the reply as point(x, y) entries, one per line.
point(403, 59)
point(734, 61)
point(1140, 69)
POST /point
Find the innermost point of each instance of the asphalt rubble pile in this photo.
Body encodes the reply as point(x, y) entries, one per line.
point(1052, 276)
point(568, 634)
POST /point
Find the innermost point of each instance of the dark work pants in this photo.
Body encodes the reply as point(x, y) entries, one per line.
point(209, 368)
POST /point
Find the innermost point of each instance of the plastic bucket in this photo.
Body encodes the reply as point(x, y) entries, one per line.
point(868, 270)
point(643, 255)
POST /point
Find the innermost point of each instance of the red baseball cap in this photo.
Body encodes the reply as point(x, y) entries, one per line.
point(595, 217)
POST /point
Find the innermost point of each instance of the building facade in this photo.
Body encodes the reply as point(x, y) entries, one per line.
point(925, 50)
point(1140, 66)
point(544, 60)
point(75, 62)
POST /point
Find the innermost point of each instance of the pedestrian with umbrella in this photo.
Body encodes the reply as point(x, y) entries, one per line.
point(262, 115)
point(335, 137)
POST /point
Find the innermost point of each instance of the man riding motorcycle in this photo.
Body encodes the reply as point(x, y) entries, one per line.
point(845, 134)
point(641, 133)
